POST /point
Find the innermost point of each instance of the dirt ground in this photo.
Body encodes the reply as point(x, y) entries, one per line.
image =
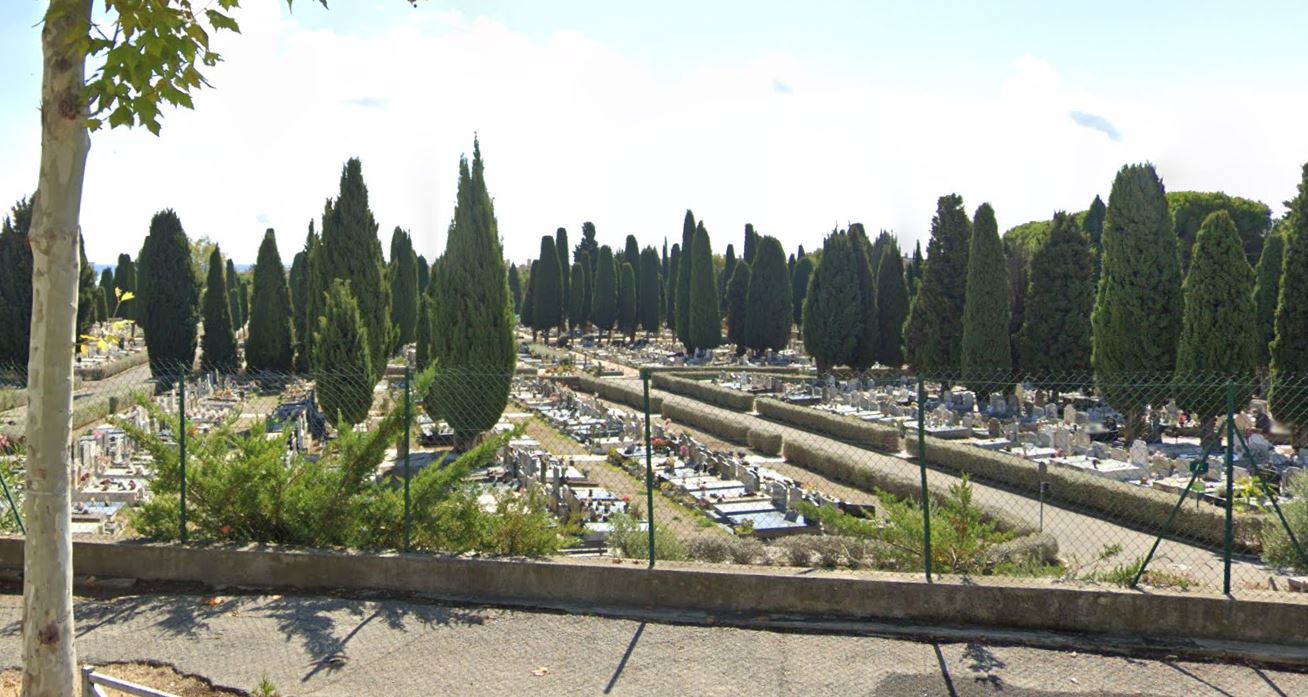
point(158, 677)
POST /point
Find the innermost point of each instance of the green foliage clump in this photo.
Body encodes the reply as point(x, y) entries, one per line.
point(125, 282)
point(1059, 299)
point(864, 353)
point(580, 293)
point(768, 307)
point(1277, 548)
point(218, 347)
point(562, 250)
point(627, 300)
point(1189, 209)
point(831, 309)
point(682, 305)
point(799, 287)
point(515, 288)
point(343, 364)
point(627, 539)
point(986, 351)
point(403, 275)
point(933, 333)
point(604, 304)
point(1288, 391)
point(650, 307)
point(737, 304)
point(168, 308)
point(892, 305)
point(16, 285)
point(705, 328)
point(270, 346)
point(1267, 287)
point(547, 310)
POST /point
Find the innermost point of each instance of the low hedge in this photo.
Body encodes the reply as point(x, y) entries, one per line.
point(104, 371)
point(704, 391)
point(853, 467)
point(764, 442)
point(705, 419)
point(626, 392)
point(1112, 499)
point(846, 429)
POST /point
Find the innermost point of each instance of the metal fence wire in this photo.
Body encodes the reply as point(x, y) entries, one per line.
point(1191, 483)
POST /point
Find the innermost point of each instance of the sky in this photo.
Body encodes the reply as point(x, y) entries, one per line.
point(795, 117)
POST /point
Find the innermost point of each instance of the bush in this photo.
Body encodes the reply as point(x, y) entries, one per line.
point(764, 442)
point(846, 429)
point(624, 392)
point(703, 391)
point(1276, 544)
point(721, 548)
point(630, 541)
point(705, 419)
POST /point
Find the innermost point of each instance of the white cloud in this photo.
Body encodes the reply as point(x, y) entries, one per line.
point(573, 130)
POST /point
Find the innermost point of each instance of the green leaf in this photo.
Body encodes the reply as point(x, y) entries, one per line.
point(221, 21)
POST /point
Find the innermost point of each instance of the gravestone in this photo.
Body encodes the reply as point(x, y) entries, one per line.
point(1081, 441)
point(995, 429)
point(1140, 454)
point(1063, 440)
point(1069, 415)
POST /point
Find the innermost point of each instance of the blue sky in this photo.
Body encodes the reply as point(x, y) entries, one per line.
point(795, 117)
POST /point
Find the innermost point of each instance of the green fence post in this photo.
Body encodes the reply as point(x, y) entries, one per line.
point(408, 429)
point(18, 517)
point(181, 450)
point(1230, 487)
point(921, 462)
point(649, 468)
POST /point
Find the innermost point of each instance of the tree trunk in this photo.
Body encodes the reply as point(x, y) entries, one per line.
point(49, 657)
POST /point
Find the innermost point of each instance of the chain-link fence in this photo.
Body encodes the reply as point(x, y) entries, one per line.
point(1189, 483)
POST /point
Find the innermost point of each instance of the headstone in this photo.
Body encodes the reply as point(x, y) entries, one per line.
point(1044, 438)
point(1069, 415)
point(1139, 454)
point(1081, 441)
point(1082, 418)
point(1063, 440)
point(995, 429)
point(966, 421)
point(1243, 422)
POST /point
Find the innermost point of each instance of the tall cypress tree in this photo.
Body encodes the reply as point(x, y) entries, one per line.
point(1060, 296)
point(631, 252)
point(269, 346)
point(218, 346)
point(235, 308)
point(916, 266)
point(352, 251)
point(547, 312)
point(986, 351)
point(683, 279)
point(107, 287)
point(831, 305)
point(751, 244)
point(865, 348)
point(168, 309)
point(627, 300)
point(563, 250)
point(529, 301)
point(588, 297)
point(515, 288)
point(650, 306)
point(101, 305)
point(892, 305)
point(124, 282)
point(670, 289)
point(314, 292)
point(768, 307)
point(1139, 288)
point(1266, 290)
point(790, 265)
point(16, 286)
point(1289, 371)
point(422, 338)
point(588, 246)
point(1219, 334)
point(933, 335)
point(243, 292)
point(1093, 225)
point(799, 287)
point(295, 281)
point(403, 276)
point(728, 269)
point(604, 305)
point(577, 284)
point(473, 322)
point(424, 279)
point(86, 290)
point(343, 374)
point(738, 305)
point(705, 321)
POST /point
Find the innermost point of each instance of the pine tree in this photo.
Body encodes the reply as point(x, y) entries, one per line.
point(16, 286)
point(705, 328)
point(604, 305)
point(986, 349)
point(1137, 315)
point(423, 334)
point(577, 285)
point(738, 305)
point(865, 349)
point(1289, 369)
point(235, 308)
point(683, 279)
point(403, 276)
point(627, 301)
point(1060, 296)
point(751, 244)
point(892, 306)
point(352, 251)
point(547, 312)
point(799, 287)
point(831, 305)
point(218, 345)
point(1218, 342)
point(269, 346)
point(124, 282)
point(342, 366)
point(1266, 290)
point(768, 306)
point(473, 322)
point(670, 288)
point(728, 269)
point(933, 334)
point(650, 305)
point(562, 249)
point(168, 307)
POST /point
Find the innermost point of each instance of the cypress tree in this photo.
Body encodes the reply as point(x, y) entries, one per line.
point(235, 309)
point(933, 334)
point(650, 306)
point(16, 286)
point(588, 246)
point(1218, 341)
point(295, 282)
point(831, 305)
point(403, 276)
point(751, 244)
point(124, 282)
point(342, 367)
point(631, 253)
point(790, 266)
point(424, 276)
point(168, 309)
point(865, 349)
point(243, 293)
point(515, 289)
point(1266, 290)
point(562, 249)
point(799, 287)
point(269, 346)
point(1060, 296)
point(728, 269)
point(683, 279)
point(101, 305)
point(627, 301)
point(892, 306)
point(352, 251)
point(473, 321)
point(529, 301)
point(218, 346)
point(422, 334)
point(768, 306)
point(1289, 369)
point(547, 312)
point(1093, 225)
point(86, 290)
point(915, 269)
point(670, 289)
point(705, 328)
point(738, 305)
point(986, 349)
point(314, 292)
point(604, 305)
point(1139, 288)
point(588, 297)
point(577, 284)
point(107, 288)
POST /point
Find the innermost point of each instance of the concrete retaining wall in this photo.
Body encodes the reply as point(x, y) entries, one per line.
point(724, 590)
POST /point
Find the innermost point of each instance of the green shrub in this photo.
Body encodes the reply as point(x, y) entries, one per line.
point(703, 418)
point(724, 397)
point(1276, 544)
point(846, 429)
point(630, 541)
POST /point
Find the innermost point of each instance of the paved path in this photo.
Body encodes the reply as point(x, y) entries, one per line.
point(331, 646)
